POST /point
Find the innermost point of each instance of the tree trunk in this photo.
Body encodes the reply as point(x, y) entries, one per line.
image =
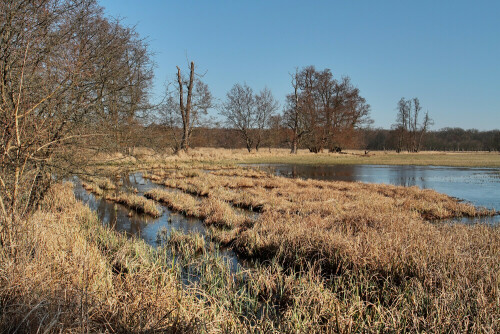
point(185, 110)
point(294, 145)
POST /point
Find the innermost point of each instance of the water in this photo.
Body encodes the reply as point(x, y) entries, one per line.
point(143, 226)
point(478, 186)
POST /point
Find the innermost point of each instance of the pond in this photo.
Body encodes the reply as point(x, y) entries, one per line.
point(479, 186)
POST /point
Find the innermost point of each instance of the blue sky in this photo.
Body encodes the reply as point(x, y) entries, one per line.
point(446, 53)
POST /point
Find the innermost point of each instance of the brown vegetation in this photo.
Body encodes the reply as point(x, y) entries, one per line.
point(132, 201)
point(71, 274)
point(378, 236)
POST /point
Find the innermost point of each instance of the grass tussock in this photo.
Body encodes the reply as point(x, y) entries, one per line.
point(135, 202)
point(186, 244)
point(212, 211)
point(93, 188)
point(131, 201)
point(176, 201)
point(369, 236)
point(71, 274)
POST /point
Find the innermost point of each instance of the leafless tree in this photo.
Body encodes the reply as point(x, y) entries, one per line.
point(239, 111)
point(265, 108)
point(194, 101)
point(66, 72)
point(323, 112)
point(293, 114)
point(408, 127)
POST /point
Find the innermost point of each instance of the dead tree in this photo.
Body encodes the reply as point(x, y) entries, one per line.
point(198, 101)
point(185, 110)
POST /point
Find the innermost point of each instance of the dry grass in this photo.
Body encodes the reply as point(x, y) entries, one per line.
point(176, 201)
point(213, 211)
point(339, 257)
point(283, 156)
point(209, 156)
point(187, 244)
point(93, 188)
point(136, 202)
point(431, 276)
point(131, 201)
point(71, 274)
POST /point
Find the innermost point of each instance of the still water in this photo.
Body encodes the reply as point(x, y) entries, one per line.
point(479, 186)
point(143, 226)
point(132, 223)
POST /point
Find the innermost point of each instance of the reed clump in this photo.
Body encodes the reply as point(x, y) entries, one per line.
point(136, 203)
point(368, 236)
point(131, 201)
point(93, 188)
point(176, 201)
point(187, 244)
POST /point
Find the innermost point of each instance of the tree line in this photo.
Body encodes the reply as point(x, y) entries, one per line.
point(446, 139)
point(321, 113)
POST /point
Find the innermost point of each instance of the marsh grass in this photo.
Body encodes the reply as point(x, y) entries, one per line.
point(186, 244)
point(129, 200)
point(135, 202)
point(72, 274)
point(179, 202)
point(375, 242)
point(326, 257)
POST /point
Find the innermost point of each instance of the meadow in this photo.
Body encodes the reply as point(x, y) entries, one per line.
point(429, 158)
point(319, 256)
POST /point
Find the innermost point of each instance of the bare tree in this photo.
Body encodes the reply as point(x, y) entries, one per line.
point(323, 112)
point(59, 88)
point(265, 108)
point(239, 110)
point(409, 130)
point(293, 115)
point(198, 100)
point(426, 123)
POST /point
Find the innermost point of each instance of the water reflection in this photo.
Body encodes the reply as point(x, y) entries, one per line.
point(129, 221)
point(143, 226)
point(479, 186)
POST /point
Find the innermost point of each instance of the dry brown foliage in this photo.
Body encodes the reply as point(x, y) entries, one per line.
point(383, 234)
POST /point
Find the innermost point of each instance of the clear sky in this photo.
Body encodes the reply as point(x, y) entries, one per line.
point(446, 53)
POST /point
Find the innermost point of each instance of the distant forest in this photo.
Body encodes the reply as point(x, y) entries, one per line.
point(446, 139)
